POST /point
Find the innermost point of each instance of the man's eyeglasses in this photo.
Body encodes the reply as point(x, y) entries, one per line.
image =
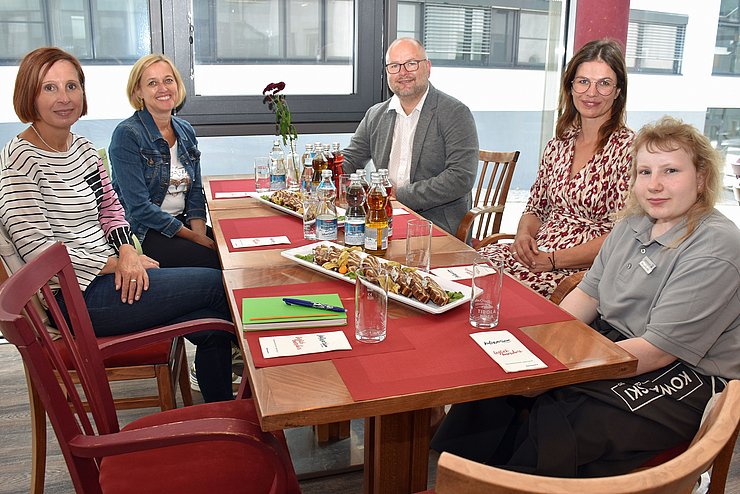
point(604, 87)
point(411, 66)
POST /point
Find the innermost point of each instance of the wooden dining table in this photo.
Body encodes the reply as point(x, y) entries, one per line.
point(397, 424)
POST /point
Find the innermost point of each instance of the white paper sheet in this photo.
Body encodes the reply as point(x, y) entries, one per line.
point(239, 243)
point(231, 195)
point(302, 344)
point(507, 351)
point(454, 272)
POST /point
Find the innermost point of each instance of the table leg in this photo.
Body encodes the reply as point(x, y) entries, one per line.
point(397, 452)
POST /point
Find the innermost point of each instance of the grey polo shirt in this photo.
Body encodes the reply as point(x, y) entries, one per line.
point(683, 299)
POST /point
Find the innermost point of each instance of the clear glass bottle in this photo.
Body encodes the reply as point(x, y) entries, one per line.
point(320, 163)
point(307, 172)
point(277, 167)
point(362, 173)
point(337, 163)
point(389, 191)
point(376, 219)
point(354, 218)
point(326, 214)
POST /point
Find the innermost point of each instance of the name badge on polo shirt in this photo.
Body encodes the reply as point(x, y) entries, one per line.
point(647, 265)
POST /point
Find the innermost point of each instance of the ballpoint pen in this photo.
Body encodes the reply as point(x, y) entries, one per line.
point(315, 305)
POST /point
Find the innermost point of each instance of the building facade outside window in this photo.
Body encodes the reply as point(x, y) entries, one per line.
point(726, 51)
point(96, 31)
point(655, 42)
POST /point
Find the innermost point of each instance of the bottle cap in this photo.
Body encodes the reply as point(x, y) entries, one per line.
point(325, 173)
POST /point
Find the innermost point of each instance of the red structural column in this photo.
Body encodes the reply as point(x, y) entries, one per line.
point(601, 19)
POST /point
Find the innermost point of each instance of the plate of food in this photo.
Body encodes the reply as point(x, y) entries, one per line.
point(407, 285)
point(289, 202)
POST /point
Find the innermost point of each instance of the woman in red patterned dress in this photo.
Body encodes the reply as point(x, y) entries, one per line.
point(583, 177)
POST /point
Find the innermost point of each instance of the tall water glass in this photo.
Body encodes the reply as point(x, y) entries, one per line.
point(419, 244)
point(485, 301)
point(310, 205)
point(371, 306)
point(342, 192)
point(262, 174)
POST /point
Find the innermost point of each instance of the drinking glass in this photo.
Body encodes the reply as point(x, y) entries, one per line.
point(342, 192)
point(419, 244)
point(485, 301)
point(310, 205)
point(262, 174)
point(371, 306)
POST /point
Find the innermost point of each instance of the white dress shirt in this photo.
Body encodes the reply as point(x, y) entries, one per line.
point(399, 164)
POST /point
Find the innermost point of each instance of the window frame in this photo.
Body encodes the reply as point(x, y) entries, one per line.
point(247, 115)
point(650, 18)
point(731, 24)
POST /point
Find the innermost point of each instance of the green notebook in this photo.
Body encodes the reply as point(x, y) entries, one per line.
point(259, 313)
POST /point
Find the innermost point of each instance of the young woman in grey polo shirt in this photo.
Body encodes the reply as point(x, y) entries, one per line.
point(666, 287)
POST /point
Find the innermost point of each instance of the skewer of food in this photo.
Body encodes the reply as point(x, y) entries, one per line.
point(402, 280)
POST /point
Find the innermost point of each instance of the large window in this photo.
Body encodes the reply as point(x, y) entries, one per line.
point(96, 31)
point(655, 42)
point(328, 59)
point(726, 51)
point(493, 33)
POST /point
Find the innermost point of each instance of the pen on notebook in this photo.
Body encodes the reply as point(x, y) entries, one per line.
point(315, 305)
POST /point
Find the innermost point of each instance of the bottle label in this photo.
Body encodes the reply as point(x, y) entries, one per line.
point(371, 238)
point(354, 232)
point(390, 226)
point(326, 227)
point(277, 182)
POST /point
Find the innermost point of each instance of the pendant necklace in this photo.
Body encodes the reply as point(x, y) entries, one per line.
point(46, 143)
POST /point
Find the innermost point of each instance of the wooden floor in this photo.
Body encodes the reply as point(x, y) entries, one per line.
point(15, 445)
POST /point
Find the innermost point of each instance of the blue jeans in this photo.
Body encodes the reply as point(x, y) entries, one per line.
point(174, 295)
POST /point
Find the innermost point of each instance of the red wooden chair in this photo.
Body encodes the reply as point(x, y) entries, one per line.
point(215, 447)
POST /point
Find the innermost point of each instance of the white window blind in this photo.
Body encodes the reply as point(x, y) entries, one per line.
point(457, 32)
point(656, 46)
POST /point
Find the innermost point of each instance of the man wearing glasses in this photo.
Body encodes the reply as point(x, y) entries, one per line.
point(426, 139)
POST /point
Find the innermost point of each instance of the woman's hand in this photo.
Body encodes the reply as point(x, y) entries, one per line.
point(130, 273)
point(524, 249)
point(204, 241)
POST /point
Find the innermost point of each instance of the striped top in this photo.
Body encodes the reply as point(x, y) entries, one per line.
point(48, 197)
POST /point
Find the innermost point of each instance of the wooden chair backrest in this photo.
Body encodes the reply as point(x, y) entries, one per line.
point(23, 327)
point(494, 181)
point(712, 445)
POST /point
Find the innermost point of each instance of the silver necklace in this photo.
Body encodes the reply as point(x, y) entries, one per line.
point(46, 143)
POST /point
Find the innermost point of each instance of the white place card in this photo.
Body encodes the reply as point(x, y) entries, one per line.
point(302, 344)
point(399, 212)
point(507, 351)
point(454, 272)
point(231, 195)
point(241, 243)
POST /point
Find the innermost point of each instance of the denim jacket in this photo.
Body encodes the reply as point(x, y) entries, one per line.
point(140, 170)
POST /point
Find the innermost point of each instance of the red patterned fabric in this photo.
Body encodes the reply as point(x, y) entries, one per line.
point(572, 210)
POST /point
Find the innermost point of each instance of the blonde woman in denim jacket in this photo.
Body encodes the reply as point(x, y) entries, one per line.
point(156, 170)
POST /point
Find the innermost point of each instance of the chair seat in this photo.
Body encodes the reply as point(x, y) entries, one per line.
point(205, 467)
point(156, 353)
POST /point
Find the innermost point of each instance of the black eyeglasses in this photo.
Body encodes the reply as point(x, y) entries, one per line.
point(411, 66)
point(604, 87)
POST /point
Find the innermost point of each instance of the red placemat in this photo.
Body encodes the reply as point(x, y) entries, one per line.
point(401, 222)
point(520, 306)
point(443, 356)
point(236, 185)
point(395, 340)
point(264, 226)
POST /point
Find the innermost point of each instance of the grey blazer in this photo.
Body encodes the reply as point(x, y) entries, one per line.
point(444, 160)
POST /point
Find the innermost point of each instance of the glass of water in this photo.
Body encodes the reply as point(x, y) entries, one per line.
point(310, 205)
point(371, 306)
point(262, 174)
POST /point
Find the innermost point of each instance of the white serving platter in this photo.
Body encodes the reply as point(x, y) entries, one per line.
point(430, 307)
point(260, 196)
